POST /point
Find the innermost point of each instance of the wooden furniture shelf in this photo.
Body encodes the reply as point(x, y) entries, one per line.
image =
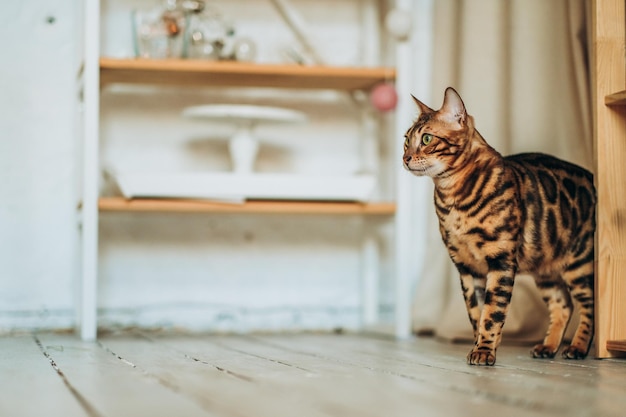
point(616, 345)
point(609, 99)
point(237, 74)
point(616, 99)
point(116, 204)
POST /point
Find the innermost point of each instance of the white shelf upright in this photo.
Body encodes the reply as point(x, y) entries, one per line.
point(91, 97)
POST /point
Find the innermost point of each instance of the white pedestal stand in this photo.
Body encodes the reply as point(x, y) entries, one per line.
point(244, 145)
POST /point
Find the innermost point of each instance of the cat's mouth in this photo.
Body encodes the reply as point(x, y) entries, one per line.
point(417, 167)
point(417, 171)
point(422, 170)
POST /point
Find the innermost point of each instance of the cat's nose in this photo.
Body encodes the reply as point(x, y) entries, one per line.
point(407, 158)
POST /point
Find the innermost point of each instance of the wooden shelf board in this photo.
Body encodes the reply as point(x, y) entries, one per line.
point(616, 345)
point(237, 74)
point(616, 99)
point(255, 206)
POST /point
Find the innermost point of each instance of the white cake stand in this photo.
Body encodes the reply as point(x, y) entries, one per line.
point(244, 145)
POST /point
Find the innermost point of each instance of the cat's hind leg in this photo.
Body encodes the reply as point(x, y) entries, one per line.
point(556, 296)
point(579, 277)
point(580, 283)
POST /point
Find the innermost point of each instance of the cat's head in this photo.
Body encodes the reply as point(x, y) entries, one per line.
point(434, 143)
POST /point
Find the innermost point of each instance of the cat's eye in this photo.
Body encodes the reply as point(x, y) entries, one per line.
point(427, 138)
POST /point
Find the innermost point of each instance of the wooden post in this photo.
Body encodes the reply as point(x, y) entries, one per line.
point(609, 76)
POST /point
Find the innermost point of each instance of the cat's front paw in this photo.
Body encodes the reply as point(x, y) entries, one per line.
point(543, 351)
point(572, 352)
point(481, 357)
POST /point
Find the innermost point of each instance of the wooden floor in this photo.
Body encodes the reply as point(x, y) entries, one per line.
point(146, 374)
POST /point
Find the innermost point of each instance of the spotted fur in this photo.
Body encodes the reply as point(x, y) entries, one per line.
point(499, 216)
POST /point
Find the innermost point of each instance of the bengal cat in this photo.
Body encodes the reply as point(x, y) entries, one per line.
point(498, 216)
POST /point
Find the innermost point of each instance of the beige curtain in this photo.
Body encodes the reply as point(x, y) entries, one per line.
point(521, 67)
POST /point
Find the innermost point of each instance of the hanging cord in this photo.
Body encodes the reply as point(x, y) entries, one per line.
point(296, 24)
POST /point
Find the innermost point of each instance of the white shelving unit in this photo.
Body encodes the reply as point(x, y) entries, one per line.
point(99, 72)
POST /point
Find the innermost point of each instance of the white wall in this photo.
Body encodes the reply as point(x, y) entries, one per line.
point(37, 163)
point(216, 272)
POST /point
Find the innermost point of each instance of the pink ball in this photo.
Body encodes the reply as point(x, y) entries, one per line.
point(384, 97)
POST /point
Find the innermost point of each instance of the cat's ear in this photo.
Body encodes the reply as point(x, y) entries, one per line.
point(423, 108)
point(453, 108)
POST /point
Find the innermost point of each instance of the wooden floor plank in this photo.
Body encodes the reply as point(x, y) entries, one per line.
point(513, 359)
point(549, 394)
point(111, 386)
point(30, 386)
point(456, 390)
point(329, 389)
point(209, 379)
point(308, 375)
point(510, 357)
point(222, 352)
point(393, 392)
